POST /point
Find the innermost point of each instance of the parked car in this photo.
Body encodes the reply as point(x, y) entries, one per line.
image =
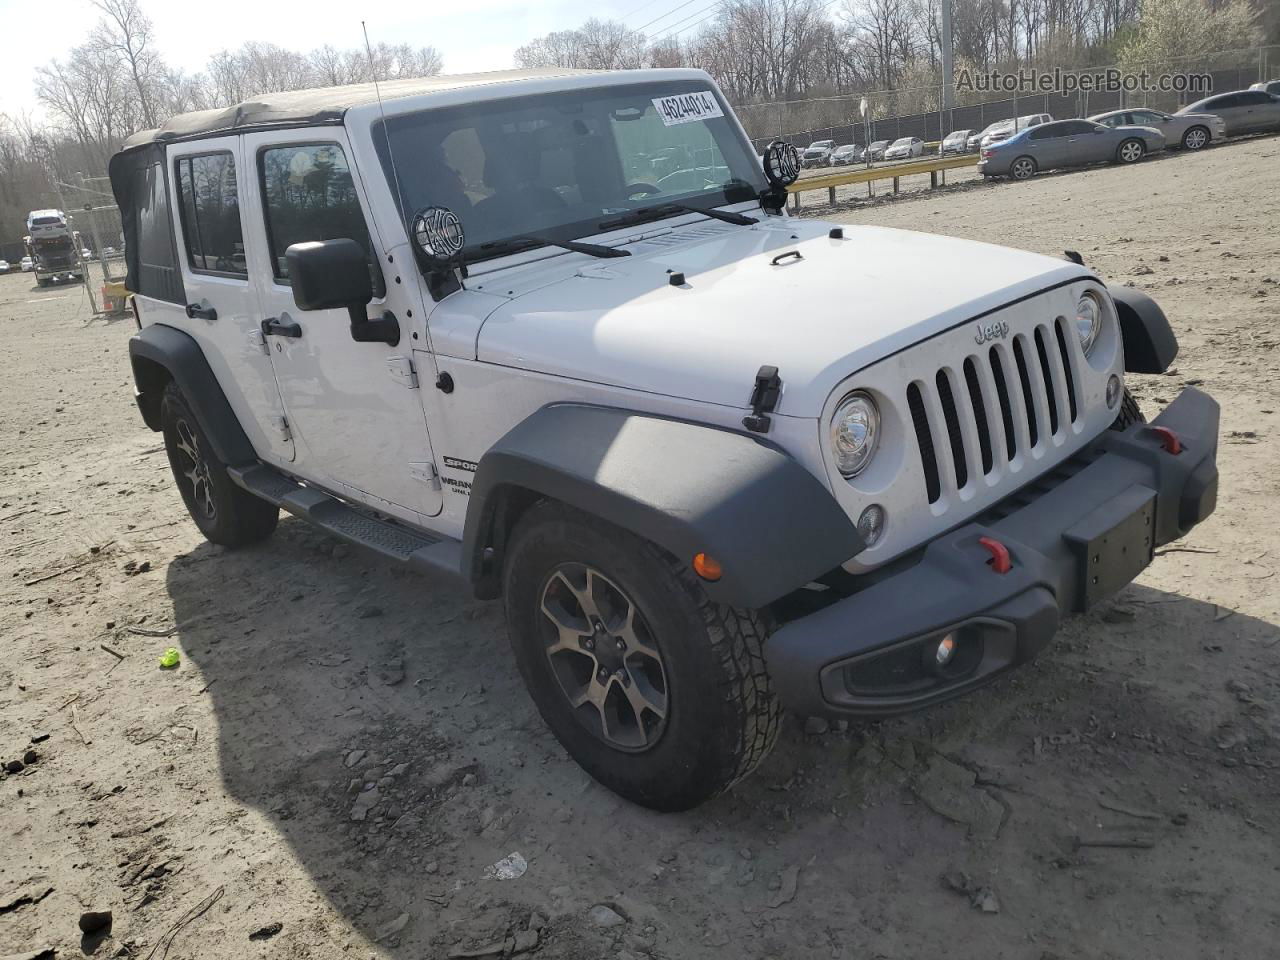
point(86, 253)
point(846, 154)
point(975, 139)
point(876, 150)
point(1243, 111)
point(4, 266)
point(27, 264)
point(108, 252)
point(957, 141)
point(904, 148)
point(1066, 143)
point(1268, 86)
point(601, 447)
point(1190, 131)
point(817, 153)
point(1010, 127)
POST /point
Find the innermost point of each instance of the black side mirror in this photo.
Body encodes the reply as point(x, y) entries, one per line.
point(332, 275)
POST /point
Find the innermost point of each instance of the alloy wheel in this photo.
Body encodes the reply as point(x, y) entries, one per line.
point(1131, 151)
point(196, 469)
point(604, 657)
point(1195, 139)
point(1023, 169)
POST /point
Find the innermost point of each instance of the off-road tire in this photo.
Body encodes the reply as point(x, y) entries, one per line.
point(722, 716)
point(1129, 413)
point(225, 513)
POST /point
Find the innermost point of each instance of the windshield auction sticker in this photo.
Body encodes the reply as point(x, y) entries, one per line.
point(687, 107)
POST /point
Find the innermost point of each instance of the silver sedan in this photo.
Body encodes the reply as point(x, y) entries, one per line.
point(1067, 143)
point(1190, 131)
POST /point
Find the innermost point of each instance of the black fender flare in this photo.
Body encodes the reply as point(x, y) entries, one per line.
point(158, 353)
point(1150, 345)
point(687, 487)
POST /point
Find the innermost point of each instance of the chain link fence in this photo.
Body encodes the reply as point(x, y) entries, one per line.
point(916, 112)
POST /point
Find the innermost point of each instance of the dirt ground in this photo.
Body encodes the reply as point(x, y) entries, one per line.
point(1116, 799)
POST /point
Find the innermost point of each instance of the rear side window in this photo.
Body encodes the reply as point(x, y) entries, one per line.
point(308, 194)
point(1047, 131)
point(211, 214)
point(1252, 98)
point(156, 258)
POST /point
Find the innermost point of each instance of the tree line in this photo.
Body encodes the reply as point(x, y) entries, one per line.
point(117, 82)
point(785, 50)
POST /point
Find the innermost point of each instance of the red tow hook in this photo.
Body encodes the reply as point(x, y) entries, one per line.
point(999, 561)
point(1168, 439)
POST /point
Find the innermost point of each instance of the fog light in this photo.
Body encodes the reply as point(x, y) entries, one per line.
point(1113, 391)
point(945, 651)
point(871, 524)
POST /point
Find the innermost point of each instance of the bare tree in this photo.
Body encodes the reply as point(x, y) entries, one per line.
point(126, 31)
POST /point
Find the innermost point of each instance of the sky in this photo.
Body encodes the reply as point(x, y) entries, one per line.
point(472, 34)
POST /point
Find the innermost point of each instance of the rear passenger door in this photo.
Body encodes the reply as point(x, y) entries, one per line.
point(355, 409)
point(206, 180)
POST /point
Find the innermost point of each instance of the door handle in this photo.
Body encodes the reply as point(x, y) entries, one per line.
point(274, 326)
point(194, 310)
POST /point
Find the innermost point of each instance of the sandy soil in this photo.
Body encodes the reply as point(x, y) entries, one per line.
point(214, 808)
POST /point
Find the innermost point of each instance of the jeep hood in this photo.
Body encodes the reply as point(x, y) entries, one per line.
point(748, 300)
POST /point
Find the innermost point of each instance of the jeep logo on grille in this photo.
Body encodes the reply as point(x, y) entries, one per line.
point(991, 331)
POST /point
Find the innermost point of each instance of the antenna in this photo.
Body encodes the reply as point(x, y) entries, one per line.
point(386, 132)
point(395, 175)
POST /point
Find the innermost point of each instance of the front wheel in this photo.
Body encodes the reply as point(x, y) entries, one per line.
point(658, 692)
point(1131, 151)
point(1197, 138)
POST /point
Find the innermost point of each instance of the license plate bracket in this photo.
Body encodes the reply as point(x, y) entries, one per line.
point(1113, 544)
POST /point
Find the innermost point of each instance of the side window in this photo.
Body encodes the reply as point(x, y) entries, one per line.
point(1046, 132)
point(1225, 102)
point(1252, 98)
point(308, 194)
point(156, 262)
point(211, 214)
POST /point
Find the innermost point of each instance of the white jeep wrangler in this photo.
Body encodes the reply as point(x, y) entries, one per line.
point(553, 334)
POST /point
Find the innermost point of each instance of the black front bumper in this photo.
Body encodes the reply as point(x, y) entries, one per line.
point(873, 653)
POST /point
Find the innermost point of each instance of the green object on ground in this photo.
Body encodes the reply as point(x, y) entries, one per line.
point(170, 658)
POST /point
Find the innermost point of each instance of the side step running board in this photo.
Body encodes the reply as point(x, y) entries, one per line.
point(419, 550)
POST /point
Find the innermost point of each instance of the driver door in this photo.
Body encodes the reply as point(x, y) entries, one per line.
point(354, 409)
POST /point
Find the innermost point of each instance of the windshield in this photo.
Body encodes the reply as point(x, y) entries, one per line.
point(904, 142)
point(556, 165)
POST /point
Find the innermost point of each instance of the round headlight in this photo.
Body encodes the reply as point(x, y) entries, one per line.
point(855, 430)
point(1088, 320)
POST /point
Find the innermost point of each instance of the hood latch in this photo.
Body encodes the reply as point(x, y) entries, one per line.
point(764, 399)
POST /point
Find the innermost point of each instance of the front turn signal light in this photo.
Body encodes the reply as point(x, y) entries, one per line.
point(707, 567)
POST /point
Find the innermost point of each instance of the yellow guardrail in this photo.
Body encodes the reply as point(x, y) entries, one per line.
point(892, 171)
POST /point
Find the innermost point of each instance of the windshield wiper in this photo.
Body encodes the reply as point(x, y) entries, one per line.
point(661, 210)
point(516, 244)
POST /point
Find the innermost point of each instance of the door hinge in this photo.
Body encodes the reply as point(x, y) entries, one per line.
point(281, 427)
point(402, 372)
point(259, 342)
point(425, 473)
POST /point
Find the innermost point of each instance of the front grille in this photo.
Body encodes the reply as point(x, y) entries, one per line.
point(972, 419)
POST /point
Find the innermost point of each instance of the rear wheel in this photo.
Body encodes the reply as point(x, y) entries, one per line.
point(1131, 151)
point(224, 513)
point(1024, 168)
point(1197, 138)
point(656, 691)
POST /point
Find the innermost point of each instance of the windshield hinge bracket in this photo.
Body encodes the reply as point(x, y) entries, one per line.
point(764, 399)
